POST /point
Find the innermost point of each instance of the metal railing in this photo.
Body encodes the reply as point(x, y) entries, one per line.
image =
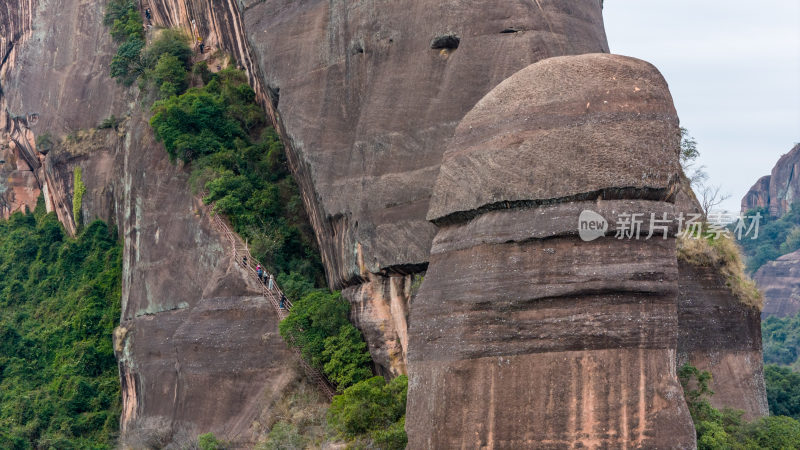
point(273, 296)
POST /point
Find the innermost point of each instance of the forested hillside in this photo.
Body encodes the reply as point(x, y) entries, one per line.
point(59, 303)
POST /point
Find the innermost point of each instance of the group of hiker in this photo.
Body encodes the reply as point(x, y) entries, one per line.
point(267, 279)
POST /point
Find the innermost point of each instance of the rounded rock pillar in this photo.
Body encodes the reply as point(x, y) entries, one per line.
point(526, 333)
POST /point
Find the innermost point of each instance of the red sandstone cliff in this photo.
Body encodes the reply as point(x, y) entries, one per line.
point(778, 279)
point(779, 190)
point(719, 332)
point(523, 335)
point(367, 98)
point(780, 282)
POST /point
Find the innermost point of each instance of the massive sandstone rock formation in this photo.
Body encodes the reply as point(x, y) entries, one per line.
point(522, 335)
point(199, 349)
point(780, 282)
point(778, 279)
point(779, 190)
point(366, 96)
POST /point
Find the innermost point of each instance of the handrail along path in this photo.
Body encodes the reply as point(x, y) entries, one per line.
point(239, 252)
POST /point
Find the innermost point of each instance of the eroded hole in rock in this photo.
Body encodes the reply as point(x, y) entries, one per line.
point(509, 30)
point(274, 94)
point(448, 41)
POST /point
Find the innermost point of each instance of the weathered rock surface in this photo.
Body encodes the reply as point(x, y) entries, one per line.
point(779, 280)
point(522, 335)
point(53, 79)
point(203, 349)
point(20, 182)
point(366, 96)
point(779, 190)
point(199, 350)
point(365, 105)
point(758, 195)
point(719, 333)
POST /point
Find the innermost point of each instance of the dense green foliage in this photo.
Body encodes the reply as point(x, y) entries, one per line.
point(726, 429)
point(318, 325)
point(222, 133)
point(372, 407)
point(59, 303)
point(77, 196)
point(783, 391)
point(208, 441)
point(165, 62)
point(776, 237)
point(127, 30)
point(781, 340)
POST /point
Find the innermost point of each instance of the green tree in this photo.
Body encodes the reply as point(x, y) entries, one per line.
point(369, 406)
point(726, 429)
point(312, 320)
point(127, 65)
point(169, 42)
point(783, 391)
point(208, 441)
point(347, 357)
point(170, 76)
point(60, 301)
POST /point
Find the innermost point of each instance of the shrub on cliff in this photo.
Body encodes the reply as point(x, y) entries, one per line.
point(123, 18)
point(371, 407)
point(726, 429)
point(165, 62)
point(723, 254)
point(169, 42)
point(127, 29)
point(170, 76)
point(347, 357)
point(77, 197)
point(126, 65)
point(221, 132)
point(59, 303)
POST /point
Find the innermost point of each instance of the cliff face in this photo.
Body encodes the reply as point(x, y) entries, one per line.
point(198, 348)
point(53, 81)
point(365, 95)
point(719, 333)
point(368, 96)
point(523, 334)
point(780, 282)
point(779, 190)
point(778, 279)
point(19, 186)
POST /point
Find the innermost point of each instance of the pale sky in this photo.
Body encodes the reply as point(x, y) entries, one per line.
point(733, 68)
